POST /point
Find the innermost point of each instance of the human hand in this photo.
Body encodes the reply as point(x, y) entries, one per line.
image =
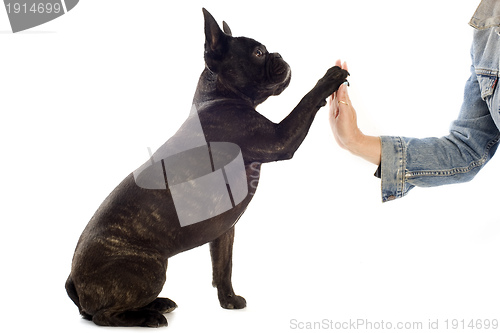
point(342, 115)
point(343, 121)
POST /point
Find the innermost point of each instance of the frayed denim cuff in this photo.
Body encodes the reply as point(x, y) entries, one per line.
point(392, 168)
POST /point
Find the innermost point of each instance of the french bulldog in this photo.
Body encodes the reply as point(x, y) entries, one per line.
point(119, 265)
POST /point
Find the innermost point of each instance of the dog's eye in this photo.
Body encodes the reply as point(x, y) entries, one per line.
point(259, 53)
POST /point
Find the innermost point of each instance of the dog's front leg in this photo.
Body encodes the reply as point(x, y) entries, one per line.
point(276, 142)
point(221, 250)
point(292, 130)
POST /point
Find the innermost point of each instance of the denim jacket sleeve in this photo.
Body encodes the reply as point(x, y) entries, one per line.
point(473, 138)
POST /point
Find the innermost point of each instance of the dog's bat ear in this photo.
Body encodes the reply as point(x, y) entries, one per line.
point(216, 42)
point(214, 37)
point(226, 29)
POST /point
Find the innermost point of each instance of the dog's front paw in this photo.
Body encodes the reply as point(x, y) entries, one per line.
point(232, 302)
point(329, 83)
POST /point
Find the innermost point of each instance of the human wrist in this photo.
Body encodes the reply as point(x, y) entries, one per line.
point(366, 147)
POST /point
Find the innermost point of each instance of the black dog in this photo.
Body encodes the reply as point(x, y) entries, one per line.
point(119, 265)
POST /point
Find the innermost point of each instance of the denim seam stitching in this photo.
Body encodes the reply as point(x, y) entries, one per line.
point(486, 72)
point(455, 171)
point(402, 168)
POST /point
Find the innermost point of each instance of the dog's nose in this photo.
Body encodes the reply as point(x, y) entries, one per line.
point(277, 55)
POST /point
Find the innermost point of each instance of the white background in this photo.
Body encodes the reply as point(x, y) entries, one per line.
point(83, 96)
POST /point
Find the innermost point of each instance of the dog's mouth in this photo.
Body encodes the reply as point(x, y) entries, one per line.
point(278, 70)
point(281, 70)
point(278, 73)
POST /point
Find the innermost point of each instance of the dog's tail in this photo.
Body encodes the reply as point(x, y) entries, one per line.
point(71, 290)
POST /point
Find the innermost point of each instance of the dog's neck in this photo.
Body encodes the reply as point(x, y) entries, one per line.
point(210, 88)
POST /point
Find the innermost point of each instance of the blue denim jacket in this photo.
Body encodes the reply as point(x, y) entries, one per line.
point(474, 136)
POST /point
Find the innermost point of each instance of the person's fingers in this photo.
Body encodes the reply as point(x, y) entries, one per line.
point(333, 99)
point(344, 66)
point(343, 96)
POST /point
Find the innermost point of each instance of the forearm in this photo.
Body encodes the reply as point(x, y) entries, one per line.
point(409, 162)
point(429, 162)
point(455, 158)
point(366, 147)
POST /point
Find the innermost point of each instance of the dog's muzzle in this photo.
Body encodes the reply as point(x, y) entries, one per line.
point(278, 70)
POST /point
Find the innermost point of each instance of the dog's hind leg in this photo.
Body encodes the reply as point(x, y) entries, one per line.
point(141, 317)
point(221, 250)
point(73, 295)
point(162, 305)
point(149, 316)
point(124, 292)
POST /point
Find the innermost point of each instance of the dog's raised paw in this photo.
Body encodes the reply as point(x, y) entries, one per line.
point(329, 83)
point(335, 75)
